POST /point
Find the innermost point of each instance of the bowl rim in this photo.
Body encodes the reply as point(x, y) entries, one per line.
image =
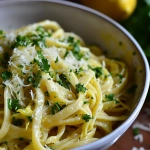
point(127, 123)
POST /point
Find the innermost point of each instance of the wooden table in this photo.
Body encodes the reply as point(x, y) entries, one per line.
point(127, 141)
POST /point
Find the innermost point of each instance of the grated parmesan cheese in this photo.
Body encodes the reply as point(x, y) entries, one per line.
point(72, 62)
point(11, 37)
point(103, 64)
point(135, 148)
point(139, 137)
point(141, 126)
point(32, 95)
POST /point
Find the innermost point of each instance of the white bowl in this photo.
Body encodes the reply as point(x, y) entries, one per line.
point(93, 27)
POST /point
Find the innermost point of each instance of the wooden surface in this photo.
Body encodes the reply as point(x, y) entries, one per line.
point(127, 141)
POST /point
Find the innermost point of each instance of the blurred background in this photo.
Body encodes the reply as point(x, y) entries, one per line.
point(134, 15)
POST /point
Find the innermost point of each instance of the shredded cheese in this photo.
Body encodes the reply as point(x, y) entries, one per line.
point(141, 126)
point(139, 137)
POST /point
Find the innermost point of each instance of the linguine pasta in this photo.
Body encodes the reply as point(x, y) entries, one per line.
point(55, 92)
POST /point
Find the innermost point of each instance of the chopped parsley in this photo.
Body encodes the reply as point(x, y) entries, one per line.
point(42, 62)
point(80, 88)
point(120, 77)
point(56, 60)
point(106, 76)
point(135, 131)
point(1, 32)
point(42, 32)
point(131, 89)
point(85, 102)
point(70, 39)
point(110, 97)
point(30, 118)
point(78, 71)
point(63, 81)
point(67, 52)
point(76, 50)
point(57, 107)
point(17, 122)
point(86, 117)
point(34, 79)
point(37, 39)
point(98, 71)
point(6, 75)
point(13, 104)
point(51, 148)
point(21, 41)
point(20, 66)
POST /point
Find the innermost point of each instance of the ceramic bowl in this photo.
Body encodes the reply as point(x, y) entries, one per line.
point(94, 28)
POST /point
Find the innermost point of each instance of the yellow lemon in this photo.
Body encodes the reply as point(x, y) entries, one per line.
point(116, 9)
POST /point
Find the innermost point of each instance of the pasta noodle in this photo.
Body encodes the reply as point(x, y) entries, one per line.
point(55, 92)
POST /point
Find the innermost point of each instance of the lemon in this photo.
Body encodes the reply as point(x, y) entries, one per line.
point(116, 9)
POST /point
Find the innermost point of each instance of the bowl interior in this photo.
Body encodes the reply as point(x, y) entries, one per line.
point(94, 28)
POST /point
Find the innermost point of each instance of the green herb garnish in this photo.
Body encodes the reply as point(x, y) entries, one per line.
point(37, 39)
point(135, 131)
point(1, 32)
point(34, 79)
point(20, 66)
point(30, 118)
point(76, 50)
point(80, 88)
point(42, 32)
point(85, 102)
point(111, 97)
point(13, 104)
point(57, 107)
point(56, 60)
point(6, 75)
point(42, 62)
point(120, 77)
point(86, 117)
point(21, 41)
point(78, 71)
point(70, 39)
point(67, 52)
point(63, 81)
point(98, 71)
